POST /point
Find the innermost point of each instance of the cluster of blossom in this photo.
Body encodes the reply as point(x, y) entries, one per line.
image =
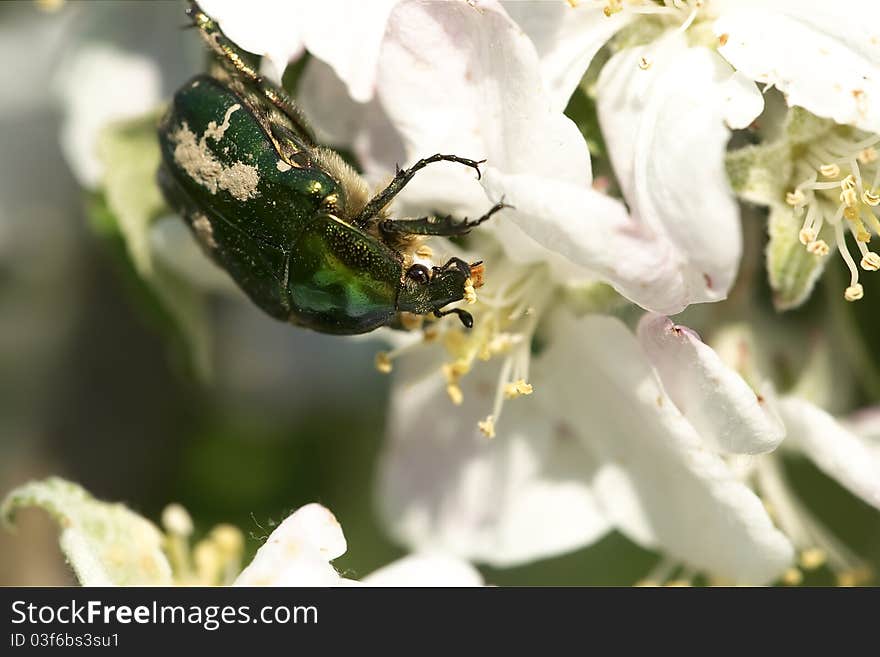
point(626, 420)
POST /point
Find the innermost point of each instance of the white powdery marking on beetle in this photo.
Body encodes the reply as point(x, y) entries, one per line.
point(204, 231)
point(281, 165)
point(216, 132)
point(196, 159)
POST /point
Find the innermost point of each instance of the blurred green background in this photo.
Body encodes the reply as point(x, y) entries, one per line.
point(94, 386)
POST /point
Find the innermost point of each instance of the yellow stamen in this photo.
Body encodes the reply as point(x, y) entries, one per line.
point(795, 198)
point(792, 577)
point(383, 362)
point(829, 170)
point(870, 261)
point(470, 294)
point(819, 248)
point(812, 558)
point(487, 426)
point(854, 292)
point(455, 393)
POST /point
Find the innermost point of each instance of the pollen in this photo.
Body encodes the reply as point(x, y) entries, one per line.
point(812, 558)
point(793, 577)
point(383, 362)
point(487, 426)
point(517, 389)
point(470, 294)
point(455, 393)
point(837, 196)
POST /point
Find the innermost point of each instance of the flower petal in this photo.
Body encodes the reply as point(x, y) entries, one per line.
point(659, 483)
point(272, 28)
point(445, 487)
point(844, 456)
point(298, 552)
point(593, 235)
point(339, 121)
point(666, 134)
point(567, 38)
point(823, 57)
point(86, 77)
point(479, 95)
point(425, 570)
point(721, 406)
point(346, 35)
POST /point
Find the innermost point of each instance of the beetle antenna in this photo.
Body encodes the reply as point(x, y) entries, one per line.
point(466, 318)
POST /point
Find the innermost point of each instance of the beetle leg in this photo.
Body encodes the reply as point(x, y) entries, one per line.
point(466, 318)
point(439, 226)
point(401, 178)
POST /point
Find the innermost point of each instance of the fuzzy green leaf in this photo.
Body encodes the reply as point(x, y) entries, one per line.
point(105, 544)
point(791, 268)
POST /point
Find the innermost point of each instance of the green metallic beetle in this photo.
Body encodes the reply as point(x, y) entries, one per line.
point(289, 220)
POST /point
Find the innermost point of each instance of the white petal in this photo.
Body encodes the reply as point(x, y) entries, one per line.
point(272, 28)
point(299, 551)
point(566, 38)
point(339, 121)
point(348, 36)
point(658, 482)
point(454, 79)
point(853, 461)
point(823, 56)
point(721, 406)
point(100, 84)
point(445, 487)
point(425, 570)
point(666, 134)
point(593, 233)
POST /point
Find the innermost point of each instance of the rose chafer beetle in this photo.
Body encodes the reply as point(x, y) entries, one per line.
point(292, 223)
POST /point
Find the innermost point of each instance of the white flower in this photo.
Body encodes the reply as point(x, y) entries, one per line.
point(100, 84)
point(613, 436)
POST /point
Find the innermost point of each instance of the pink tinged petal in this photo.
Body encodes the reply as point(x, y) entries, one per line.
point(592, 232)
point(455, 79)
point(851, 460)
point(425, 570)
point(719, 404)
point(444, 487)
point(566, 38)
point(659, 483)
point(666, 133)
point(299, 551)
point(823, 56)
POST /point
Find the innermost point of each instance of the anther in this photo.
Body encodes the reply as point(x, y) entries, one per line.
point(383, 362)
point(854, 292)
point(829, 170)
point(871, 261)
point(807, 235)
point(487, 426)
point(818, 248)
point(795, 198)
point(870, 197)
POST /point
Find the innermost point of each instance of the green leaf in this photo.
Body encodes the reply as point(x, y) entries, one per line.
point(792, 270)
point(760, 173)
point(130, 153)
point(106, 544)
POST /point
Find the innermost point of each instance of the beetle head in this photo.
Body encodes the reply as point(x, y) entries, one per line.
point(428, 290)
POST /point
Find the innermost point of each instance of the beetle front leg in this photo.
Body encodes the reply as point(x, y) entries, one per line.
point(401, 178)
point(437, 226)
